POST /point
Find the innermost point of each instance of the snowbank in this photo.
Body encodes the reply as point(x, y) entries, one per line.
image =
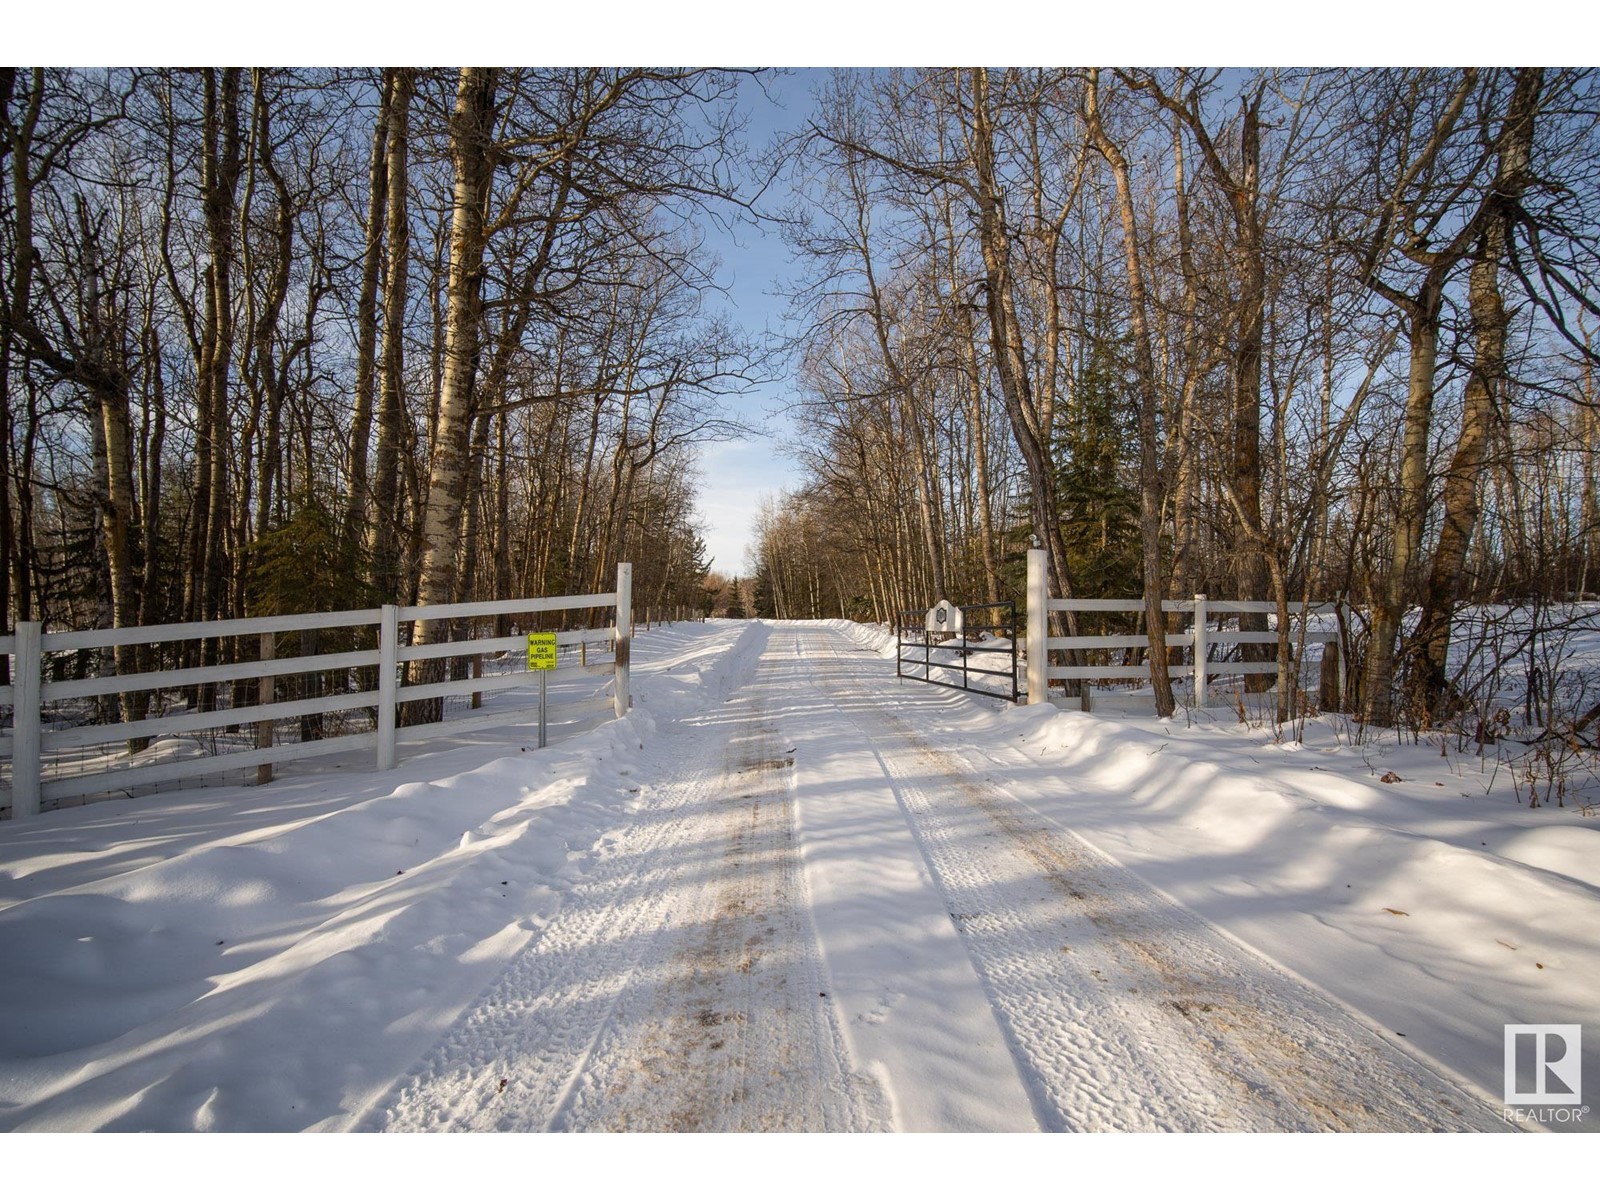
point(879, 639)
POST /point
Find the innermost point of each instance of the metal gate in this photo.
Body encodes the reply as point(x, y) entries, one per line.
point(972, 647)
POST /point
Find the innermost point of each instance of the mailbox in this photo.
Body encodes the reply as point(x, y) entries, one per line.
point(944, 618)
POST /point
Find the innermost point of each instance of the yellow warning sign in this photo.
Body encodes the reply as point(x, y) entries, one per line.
point(541, 652)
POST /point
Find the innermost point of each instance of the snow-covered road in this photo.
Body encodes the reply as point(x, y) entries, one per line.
point(680, 987)
point(832, 910)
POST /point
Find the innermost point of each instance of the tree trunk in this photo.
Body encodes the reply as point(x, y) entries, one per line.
point(472, 152)
point(393, 424)
point(1589, 499)
point(502, 521)
point(1010, 357)
point(367, 317)
point(1396, 581)
point(221, 165)
point(1185, 473)
point(1481, 397)
point(1252, 564)
point(1395, 584)
point(979, 432)
point(1149, 403)
point(15, 534)
point(153, 435)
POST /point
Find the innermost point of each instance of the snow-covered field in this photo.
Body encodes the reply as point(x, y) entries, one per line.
point(788, 892)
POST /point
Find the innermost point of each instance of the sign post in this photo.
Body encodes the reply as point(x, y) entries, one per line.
point(541, 659)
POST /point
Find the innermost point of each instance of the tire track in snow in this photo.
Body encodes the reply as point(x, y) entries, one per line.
point(512, 1058)
point(1126, 1011)
point(678, 987)
point(733, 1033)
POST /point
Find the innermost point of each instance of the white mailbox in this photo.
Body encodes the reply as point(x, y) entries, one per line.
point(945, 618)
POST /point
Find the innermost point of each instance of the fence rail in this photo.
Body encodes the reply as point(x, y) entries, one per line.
point(1202, 637)
point(29, 741)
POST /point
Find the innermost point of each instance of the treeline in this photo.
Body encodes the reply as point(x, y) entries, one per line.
point(286, 340)
point(1263, 335)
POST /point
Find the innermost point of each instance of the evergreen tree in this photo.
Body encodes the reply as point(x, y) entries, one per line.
point(735, 610)
point(765, 603)
point(304, 566)
point(1098, 503)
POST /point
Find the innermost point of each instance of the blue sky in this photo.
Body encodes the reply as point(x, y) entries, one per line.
point(737, 475)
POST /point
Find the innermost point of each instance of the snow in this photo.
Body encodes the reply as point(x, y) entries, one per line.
point(1434, 906)
point(788, 891)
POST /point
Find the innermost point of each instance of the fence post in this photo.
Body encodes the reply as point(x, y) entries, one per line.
point(25, 702)
point(1200, 650)
point(388, 685)
point(624, 634)
point(265, 688)
point(1038, 627)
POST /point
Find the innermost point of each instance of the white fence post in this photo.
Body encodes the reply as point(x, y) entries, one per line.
point(388, 669)
point(265, 694)
point(1038, 627)
point(1200, 650)
point(25, 701)
point(624, 629)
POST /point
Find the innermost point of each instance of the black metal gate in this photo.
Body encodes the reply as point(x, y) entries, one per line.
point(981, 658)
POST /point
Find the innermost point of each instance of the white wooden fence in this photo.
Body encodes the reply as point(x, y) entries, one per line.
point(28, 742)
point(1201, 635)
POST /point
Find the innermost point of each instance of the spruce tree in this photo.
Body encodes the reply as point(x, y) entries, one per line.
point(735, 610)
point(1097, 501)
